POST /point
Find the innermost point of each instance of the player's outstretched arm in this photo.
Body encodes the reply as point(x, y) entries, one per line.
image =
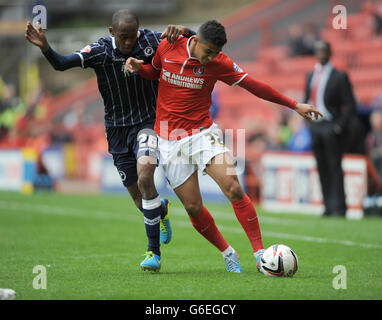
point(59, 62)
point(173, 32)
point(266, 92)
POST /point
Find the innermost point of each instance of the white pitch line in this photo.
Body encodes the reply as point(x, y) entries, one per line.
point(48, 209)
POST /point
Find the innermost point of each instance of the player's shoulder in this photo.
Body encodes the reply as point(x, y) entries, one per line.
point(223, 61)
point(103, 42)
point(149, 35)
point(340, 75)
point(96, 46)
point(181, 41)
point(165, 46)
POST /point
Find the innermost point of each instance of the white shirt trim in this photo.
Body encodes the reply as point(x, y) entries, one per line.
point(82, 59)
point(113, 42)
point(189, 55)
point(240, 80)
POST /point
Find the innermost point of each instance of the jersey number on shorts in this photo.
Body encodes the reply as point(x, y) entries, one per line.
point(147, 141)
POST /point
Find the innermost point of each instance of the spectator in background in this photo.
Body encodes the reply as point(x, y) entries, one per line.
point(10, 107)
point(273, 137)
point(331, 92)
point(309, 38)
point(302, 39)
point(300, 140)
point(374, 10)
point(296, 45)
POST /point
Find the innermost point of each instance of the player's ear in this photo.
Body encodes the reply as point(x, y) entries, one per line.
point(111, 31)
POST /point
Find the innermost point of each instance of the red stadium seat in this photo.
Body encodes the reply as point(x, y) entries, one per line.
point(298, 65)
point(366, 94)
point(371, 77)
point(369, 59)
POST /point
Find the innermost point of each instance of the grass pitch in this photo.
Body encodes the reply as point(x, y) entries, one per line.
point(91, 248)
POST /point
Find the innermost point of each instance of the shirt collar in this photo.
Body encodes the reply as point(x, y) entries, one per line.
point(319, 67)
point(188, 48)
point(113, 42)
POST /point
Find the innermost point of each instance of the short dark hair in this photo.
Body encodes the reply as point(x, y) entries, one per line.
point(213, 32)
point(323, 44)
point(123, 16)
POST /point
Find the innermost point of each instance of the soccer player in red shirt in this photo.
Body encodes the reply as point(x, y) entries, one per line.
point(189, 140)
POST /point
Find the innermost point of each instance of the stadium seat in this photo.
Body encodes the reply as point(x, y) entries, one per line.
point(275, 53)
point(366, 94)
point(295, 65)
point(370, 76)
point(370, 59)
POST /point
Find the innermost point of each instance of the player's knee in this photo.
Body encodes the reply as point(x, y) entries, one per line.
point(146, 180)
point(235, 191)
point(193, 208)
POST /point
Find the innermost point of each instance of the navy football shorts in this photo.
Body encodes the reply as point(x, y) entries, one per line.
point(127, 144)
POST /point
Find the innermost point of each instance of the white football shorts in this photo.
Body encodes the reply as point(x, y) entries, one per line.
point(181, 158)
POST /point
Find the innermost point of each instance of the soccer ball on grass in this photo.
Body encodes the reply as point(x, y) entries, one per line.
point(279, 261)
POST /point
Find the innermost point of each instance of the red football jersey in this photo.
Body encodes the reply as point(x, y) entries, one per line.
point(185, 88)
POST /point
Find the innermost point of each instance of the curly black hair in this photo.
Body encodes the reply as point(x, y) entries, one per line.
point(213, 32)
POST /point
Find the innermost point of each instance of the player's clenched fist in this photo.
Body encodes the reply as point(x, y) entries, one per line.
point(133, 64)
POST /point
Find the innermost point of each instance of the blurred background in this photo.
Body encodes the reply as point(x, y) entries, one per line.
point(52, 134)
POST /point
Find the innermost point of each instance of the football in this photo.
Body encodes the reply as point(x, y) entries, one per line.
point(7, 294)
point(279, 261)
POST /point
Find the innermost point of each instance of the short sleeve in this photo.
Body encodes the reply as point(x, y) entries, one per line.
point(229, 72)
point(91, 55)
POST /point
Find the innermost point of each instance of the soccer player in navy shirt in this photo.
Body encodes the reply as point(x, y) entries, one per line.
point(130, 107)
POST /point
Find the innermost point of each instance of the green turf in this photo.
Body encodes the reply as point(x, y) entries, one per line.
point(91, 247)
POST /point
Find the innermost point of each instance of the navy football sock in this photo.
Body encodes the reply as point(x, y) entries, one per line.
point(152, 209)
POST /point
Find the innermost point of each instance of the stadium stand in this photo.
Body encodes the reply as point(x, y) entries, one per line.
point(356, 50)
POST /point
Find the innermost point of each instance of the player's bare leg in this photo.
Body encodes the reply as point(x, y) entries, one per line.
point(228, 183)
point(189, 194)
point(222, 171)
point(135, 195)
point(203, 222)
point(146, 166)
